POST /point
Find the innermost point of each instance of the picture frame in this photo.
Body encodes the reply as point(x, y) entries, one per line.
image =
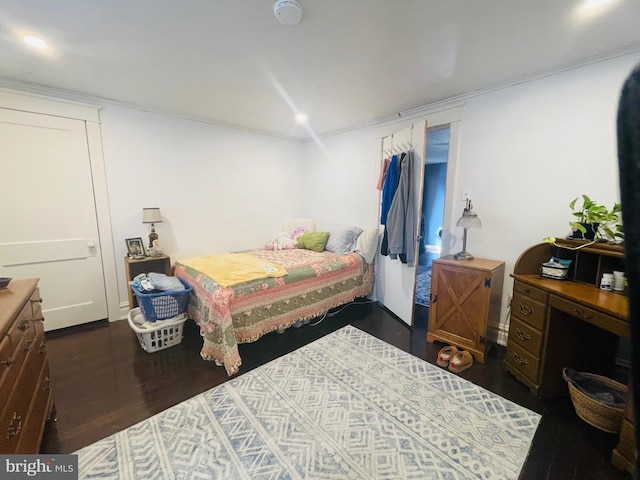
point(135, 247)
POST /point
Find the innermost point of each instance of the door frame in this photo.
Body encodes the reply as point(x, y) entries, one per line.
point(451, 116)
point(33, 103)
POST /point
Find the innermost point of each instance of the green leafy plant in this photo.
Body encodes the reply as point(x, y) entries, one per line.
point(605, 222)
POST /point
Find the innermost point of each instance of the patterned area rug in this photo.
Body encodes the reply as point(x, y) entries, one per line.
point(423, 286)
point(345, 406)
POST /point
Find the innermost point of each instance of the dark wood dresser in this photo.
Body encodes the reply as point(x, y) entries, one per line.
point(26, 399)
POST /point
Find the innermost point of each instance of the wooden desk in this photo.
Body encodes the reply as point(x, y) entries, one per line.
point(564, 323)
point(569, 323)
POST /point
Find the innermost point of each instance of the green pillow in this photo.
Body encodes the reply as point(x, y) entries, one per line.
point(315, 241)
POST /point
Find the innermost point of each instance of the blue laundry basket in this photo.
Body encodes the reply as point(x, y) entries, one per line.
point(163, 305)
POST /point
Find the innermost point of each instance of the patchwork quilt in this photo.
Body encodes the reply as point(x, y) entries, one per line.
point(314, 283)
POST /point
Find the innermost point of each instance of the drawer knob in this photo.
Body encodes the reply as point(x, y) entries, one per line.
point(27, 345)
point(7, 362)
point(42, 348)
point(24, 324)
point(519, 360)
point(525, 310)
point(15, 426)
point(523, 336)
point(47, 383)
point(586, 314)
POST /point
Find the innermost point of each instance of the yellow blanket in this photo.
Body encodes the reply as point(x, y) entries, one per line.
point(229, 269)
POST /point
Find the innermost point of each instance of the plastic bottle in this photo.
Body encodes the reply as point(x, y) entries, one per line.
point(607, 282)
point(618, 281)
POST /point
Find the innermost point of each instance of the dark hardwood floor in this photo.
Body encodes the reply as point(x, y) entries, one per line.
point(104, 382)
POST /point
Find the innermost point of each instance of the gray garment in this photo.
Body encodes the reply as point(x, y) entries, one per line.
point(402, 217)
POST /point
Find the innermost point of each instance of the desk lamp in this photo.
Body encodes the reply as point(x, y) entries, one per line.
point(468, 220)
point(151, 215)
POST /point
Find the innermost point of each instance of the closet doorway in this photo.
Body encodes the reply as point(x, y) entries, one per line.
point(433, 203)
point(395, 282)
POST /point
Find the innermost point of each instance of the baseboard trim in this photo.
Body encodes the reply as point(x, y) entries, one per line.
point(124, 310)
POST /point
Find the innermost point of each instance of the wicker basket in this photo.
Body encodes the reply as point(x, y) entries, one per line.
point(597, 414)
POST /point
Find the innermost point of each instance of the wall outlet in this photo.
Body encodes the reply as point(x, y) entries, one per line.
point(509, 298)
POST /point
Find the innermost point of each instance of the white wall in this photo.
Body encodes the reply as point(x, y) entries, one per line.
point(218, 189)
point(525, 152)
point(339, 179)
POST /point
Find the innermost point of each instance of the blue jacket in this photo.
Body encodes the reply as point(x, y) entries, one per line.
point(389, 188)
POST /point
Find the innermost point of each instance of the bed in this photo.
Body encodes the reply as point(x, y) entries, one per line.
point(312, 283)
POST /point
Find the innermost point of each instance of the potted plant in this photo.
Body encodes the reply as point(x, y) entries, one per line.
point(595, 221)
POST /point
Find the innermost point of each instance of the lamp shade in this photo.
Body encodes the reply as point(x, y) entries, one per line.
point(469, 220)
point(151, 215)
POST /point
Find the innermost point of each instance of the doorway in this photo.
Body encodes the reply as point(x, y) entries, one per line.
point(433, 202)
point(59, 230)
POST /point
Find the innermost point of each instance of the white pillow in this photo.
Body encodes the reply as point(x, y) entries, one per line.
point(342, 238)
point(292, 223)
point(367, 243)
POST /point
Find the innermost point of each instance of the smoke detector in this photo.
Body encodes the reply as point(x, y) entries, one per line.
point(288, 12)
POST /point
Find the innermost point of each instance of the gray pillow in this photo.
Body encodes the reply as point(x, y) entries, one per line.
point(342, 238)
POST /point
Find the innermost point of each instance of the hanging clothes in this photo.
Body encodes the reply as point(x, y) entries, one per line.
point(402, 215)
point(388, 192)
point(384, 168)
point(389, 189)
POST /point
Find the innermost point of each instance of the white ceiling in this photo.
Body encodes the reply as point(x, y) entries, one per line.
point(347, 63)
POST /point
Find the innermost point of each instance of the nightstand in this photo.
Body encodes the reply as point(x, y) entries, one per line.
point(466, 297)
point(134, 267)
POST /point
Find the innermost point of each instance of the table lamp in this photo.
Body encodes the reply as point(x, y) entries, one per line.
point(468, 220)
point(151, 215)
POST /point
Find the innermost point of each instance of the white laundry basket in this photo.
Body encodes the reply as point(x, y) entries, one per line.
point(163, 334)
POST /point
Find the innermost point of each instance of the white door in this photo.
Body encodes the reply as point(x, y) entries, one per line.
point(48, 224)
point(395, 281)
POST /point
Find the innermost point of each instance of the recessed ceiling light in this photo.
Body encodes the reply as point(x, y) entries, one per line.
point(34, 41)
point(301, 117)
point(589, 10)
point(596, 3)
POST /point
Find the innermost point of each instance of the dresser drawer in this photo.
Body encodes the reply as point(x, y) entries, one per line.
point(522, 361)
point(21, 325)
point(586, 314)
point(36, 305)
point(12, 358)
point(529, 310)
point(15, 412)
point(529, 291)
point(525, 336)
point(33, 426)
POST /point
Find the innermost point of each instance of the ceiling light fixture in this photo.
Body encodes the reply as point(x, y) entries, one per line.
point(34, 41)
point(596, 3)
point(288, 12)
